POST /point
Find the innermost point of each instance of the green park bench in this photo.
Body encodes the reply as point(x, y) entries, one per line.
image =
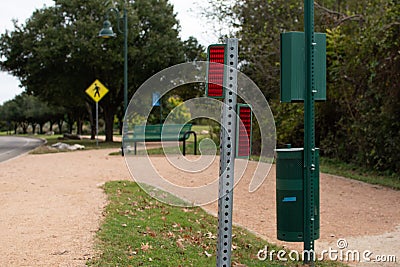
point(161, 133)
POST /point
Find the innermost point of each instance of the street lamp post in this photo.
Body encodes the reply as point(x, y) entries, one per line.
point(107, 32)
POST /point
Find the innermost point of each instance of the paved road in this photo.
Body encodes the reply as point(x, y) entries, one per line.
point(12, 146)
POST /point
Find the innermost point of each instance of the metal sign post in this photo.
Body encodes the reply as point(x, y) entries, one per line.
point(227, 157)
point(309, 132)
point(302, 55)
point(97, 123)
point(97, 91)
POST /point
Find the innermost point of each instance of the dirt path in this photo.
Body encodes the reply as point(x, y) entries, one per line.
point(51, 206)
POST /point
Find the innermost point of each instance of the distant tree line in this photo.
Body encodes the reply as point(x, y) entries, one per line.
point(360, 122)
point(56, 55)
point(27, 110)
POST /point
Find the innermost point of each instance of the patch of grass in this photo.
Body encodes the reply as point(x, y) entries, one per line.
point(44, 149)
point(336, 167)
point(140, 231)
point(199, 128)
point(89, 144)
point(174, 150)
point(166, 150)
point(116, 153)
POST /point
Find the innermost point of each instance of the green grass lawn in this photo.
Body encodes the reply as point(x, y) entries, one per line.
point(172, 149)
point(140, 231)
point(352, 171)
point(89, 144)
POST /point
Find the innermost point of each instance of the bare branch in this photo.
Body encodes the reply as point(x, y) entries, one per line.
point(354, 17)
point(396, 23)
point(343, 16)
point(328, 10)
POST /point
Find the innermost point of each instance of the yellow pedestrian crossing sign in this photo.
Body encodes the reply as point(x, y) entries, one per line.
point(96, 91)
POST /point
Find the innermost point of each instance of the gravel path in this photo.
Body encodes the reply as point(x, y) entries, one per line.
point(51, 206)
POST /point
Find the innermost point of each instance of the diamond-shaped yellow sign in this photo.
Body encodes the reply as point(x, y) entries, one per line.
point(96, 91)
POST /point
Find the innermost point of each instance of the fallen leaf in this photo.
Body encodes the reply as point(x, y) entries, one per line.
point(170, 234)
point(180, 244)
point(150, 232)
point(236, 264)
point(145, 247)
point(210, 235)
point(207, 254)
point(60, 252)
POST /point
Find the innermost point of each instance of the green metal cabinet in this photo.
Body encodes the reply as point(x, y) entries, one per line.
point(290, 195)
point(293, 67)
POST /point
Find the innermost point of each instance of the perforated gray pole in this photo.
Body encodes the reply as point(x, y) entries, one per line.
point(227, 157)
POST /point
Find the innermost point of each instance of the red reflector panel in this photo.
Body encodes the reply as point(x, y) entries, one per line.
point(215, 74)
point(243, 145)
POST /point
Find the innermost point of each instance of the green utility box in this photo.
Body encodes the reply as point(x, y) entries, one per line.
point(293, 68)
point(290, 195)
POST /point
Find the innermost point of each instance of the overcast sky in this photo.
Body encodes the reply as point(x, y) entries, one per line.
point(187, 13)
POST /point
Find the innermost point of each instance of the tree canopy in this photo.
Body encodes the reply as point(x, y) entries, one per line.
point(57, 55)
point(360, 120)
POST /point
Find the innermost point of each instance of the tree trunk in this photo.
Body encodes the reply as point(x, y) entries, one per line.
point(41, 128)
point(70, 127)
point(109, 120)
point(33, 128)
point(70, 121)
point(79, 126)
point(109, 112)
point(91, 111)
point(24, 128)
point(109, 109)
point(60, 124)
point(120, 124)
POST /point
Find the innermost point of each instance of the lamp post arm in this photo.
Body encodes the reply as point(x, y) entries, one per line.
point(117, 14)
point(125, 18)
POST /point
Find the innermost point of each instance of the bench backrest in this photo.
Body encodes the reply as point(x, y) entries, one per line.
point(161, 132)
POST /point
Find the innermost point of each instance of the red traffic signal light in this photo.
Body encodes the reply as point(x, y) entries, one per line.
point(243, 138)
point(215, 72)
